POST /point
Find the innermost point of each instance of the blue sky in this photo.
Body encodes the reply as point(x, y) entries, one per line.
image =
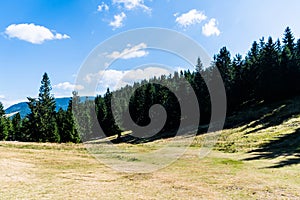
point(56, 36)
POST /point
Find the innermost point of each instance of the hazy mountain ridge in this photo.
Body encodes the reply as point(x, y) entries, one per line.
point(23, 108)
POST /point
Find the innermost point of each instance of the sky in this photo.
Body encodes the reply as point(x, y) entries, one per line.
point(58, 36)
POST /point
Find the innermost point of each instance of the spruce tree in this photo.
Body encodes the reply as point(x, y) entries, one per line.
point(288, 40)
point(223, 63)
point(3, 124)
point(61, 125)
point(16, 127)
point(66, 123)
point(2, 112)
point(42, 117)
point(71, 129)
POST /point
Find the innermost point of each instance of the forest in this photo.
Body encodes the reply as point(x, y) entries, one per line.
point(269, 72)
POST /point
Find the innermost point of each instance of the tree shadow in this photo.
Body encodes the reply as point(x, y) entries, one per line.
point(284, 146)
point(275, 118)
point(131, 139)
point(290, 161)
point(264, 115)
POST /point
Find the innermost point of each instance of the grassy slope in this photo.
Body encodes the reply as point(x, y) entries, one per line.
point(272, 128)
point(45, 171)
point(258, 159)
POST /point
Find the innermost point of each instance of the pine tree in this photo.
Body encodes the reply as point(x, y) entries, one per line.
point(238, 85)
point(42, 117)
point(199, 66)
point(61, 125)
point(9, 129)
point(16, 127)
point(82, 116)
point(198, 81)
point(201, 90)
point(223, 63)
point(3, 124)
point(32, 122)
point(269, 77)
point(2, 112)
point(109, 119)
point(288, 40)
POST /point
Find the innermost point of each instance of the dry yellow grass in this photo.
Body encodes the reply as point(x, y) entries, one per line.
point(65, 171)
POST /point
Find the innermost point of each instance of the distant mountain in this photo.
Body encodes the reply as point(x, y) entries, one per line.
point(23, 108)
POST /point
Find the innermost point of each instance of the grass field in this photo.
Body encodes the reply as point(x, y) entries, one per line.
point(62, 171)
point(257, 159)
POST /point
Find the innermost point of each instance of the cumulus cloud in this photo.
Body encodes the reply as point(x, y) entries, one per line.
point(118, 21)
point(115, 79)
point(102, 7)
point(32, 33)
point(192, 17)
point(68, 86)
point(130, 52)
point(106, 79)
point(132, 4)
point(210, 28)
point(140, 74)
point(2, 96)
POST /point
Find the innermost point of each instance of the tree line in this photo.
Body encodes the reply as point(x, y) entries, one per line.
point(270, 71)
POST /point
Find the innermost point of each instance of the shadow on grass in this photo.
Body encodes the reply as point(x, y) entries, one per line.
point(131, 139)
point(287, 146)
point(277, 117)
point(266, 115)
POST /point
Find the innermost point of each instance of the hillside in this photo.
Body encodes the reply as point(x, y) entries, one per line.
point(264, 131)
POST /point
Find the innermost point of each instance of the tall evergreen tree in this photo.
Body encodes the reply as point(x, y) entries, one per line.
point(109, 119)
point(2, 112)
point(289, 39)
point(3, 124)
point(16, 127)
point(42, 117)
point(61, 125)
point(72, 132)
point(268, 73)
point(223, 63)
point(199, 66)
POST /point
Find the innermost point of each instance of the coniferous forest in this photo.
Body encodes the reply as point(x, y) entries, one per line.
point(269, 72)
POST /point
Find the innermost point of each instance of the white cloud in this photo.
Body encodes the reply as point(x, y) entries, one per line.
point(132, 4)
point(68, 86)
point(192, 17)
point(7, 102)
point(118, 20)
point(211, 28)
point(109, 79)
point(140, 74)
point(2, 96)
point(92, 77)
point(130, 52)
point(103, 7)
point(32, 33)
point(115, 79)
